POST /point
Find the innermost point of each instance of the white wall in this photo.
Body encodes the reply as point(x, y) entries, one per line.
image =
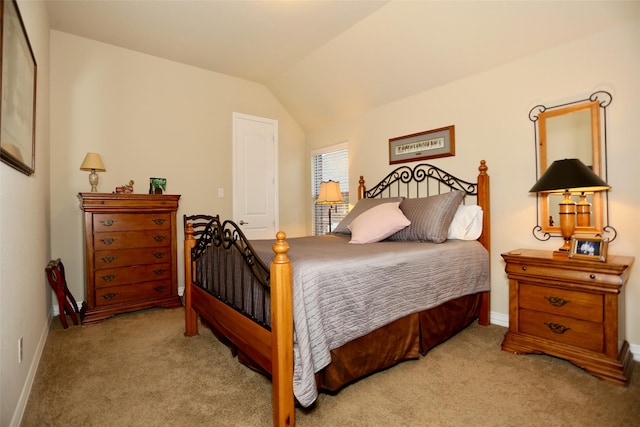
point(490, 113)
point(149, 117)
point(25, 299)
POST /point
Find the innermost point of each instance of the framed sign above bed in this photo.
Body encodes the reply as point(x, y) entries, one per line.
point(430, 144)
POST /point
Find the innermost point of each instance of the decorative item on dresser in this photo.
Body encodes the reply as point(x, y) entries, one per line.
point(570, 309)
point(130, 253)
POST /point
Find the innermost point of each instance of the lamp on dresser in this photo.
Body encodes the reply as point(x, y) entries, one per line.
point(568, 176)
point(329, 195)
point(92, 162)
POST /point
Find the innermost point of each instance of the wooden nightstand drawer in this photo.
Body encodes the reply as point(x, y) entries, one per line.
point(126, 257)
point(125, 222)
point(562, 302)
point(133, 274)
point(132, 293)
point(579, 333)
point(131, 239)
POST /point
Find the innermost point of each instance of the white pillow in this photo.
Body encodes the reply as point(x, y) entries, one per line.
point(467, 223)
point(377, 223)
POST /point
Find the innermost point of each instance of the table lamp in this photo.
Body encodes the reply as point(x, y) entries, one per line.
point(92, 162)
point(329, 195)
point(567, 176)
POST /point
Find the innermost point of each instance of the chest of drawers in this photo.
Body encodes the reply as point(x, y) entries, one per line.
point(568, 308)
point(130, 253)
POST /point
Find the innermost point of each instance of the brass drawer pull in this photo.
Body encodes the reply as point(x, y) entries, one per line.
point(109, 277)
point(159, 289)
point(158, 221)
point(108, 222)
point(160, 255)
point(557, 328)
point(109, 296)
point(109, 259)
point(160, 271)
point(108, 240)
point(557, 301)
point(159, 238)
point(524, 268)
point(592, 276)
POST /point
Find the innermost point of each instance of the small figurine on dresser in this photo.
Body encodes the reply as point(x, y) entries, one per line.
point(125, 189)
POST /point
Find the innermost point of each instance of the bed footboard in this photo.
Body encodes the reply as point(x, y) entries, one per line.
point(230, 287)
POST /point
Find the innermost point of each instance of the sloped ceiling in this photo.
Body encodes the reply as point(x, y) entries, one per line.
point(329, 60)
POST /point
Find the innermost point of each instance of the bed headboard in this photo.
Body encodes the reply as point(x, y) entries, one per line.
point(423, 180)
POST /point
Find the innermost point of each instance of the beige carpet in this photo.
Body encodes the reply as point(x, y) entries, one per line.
point(139, 370)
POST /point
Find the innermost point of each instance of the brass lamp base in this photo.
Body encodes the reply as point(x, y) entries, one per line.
point(567, 220)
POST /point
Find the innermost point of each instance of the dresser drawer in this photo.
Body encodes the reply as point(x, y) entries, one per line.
point(562, 302)
point(126, 257)
point(131, 239)
point(132, 293)
point(110, 277)
point(124, 221)
point(566, 330)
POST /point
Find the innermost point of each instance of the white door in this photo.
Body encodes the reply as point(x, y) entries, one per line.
point(255, 173)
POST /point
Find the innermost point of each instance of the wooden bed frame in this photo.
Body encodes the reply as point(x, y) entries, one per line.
point(269, 348)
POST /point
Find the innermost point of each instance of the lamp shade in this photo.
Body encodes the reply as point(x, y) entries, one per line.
point(569, 174)
point(329, 193)
point(92, 161)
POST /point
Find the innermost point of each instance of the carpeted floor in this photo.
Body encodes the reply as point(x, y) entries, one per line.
point(139, 370)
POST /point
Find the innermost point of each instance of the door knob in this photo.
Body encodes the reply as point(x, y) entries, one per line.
point(243, 223)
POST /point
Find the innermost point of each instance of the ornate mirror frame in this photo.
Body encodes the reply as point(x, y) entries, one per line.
point(574, 126)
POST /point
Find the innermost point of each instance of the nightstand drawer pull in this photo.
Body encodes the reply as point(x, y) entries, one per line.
point(159, 238)
point(557, 301)
point(108, 222)
point(592, 276)
point(557, 328)
point(524, 268)
point(109, 259)
point(108, 240)
point(158, 221)
point(109, 296)
point(109, 277)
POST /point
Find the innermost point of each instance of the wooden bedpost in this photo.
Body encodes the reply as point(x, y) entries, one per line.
point(485, 237)
point(361, 188)
point(282, 334)
point(190, 316)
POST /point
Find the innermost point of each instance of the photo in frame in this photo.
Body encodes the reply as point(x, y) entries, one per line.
point(18, 89)
point(430, 144)
point(589, 247)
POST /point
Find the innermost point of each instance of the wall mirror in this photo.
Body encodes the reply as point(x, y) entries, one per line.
point(569, 131)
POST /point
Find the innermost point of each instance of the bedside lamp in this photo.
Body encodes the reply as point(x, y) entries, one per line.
point(92, 162)
point(329, 195)
point(566, 176)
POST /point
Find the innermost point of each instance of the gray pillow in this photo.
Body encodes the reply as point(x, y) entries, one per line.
point(430, 217)
point(360, 207)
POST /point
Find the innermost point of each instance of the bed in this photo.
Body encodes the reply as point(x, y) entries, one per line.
point(317, 313)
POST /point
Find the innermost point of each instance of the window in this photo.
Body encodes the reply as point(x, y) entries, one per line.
point(331, 163)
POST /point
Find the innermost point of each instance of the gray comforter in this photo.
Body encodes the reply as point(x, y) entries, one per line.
point(343, 291)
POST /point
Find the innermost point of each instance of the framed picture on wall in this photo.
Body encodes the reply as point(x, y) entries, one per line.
point(430, 144)
point(18, 108)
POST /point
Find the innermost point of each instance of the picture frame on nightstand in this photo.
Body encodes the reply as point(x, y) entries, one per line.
point(589, 247)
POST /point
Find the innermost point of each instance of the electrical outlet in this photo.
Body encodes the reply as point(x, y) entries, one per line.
point(20, 350)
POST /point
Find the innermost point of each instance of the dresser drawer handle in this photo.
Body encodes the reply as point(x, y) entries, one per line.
point(160, 271)
point(592, 276)
point(108, 222)
point(524, 268)
point(557, 301)
point(109, 296)
point(159, 238)
point(158, 221)
point(108, 240)
point(109, 259)
point(557, 328)
point(109, 277)
point(160, 255)
point(159, 289)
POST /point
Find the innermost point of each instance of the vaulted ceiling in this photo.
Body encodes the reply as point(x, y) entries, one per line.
point(328, 60)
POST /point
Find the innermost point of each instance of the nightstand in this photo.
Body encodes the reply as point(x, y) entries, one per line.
point(571, 309)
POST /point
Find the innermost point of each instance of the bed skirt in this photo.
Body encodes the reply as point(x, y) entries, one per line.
point(403, 339)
